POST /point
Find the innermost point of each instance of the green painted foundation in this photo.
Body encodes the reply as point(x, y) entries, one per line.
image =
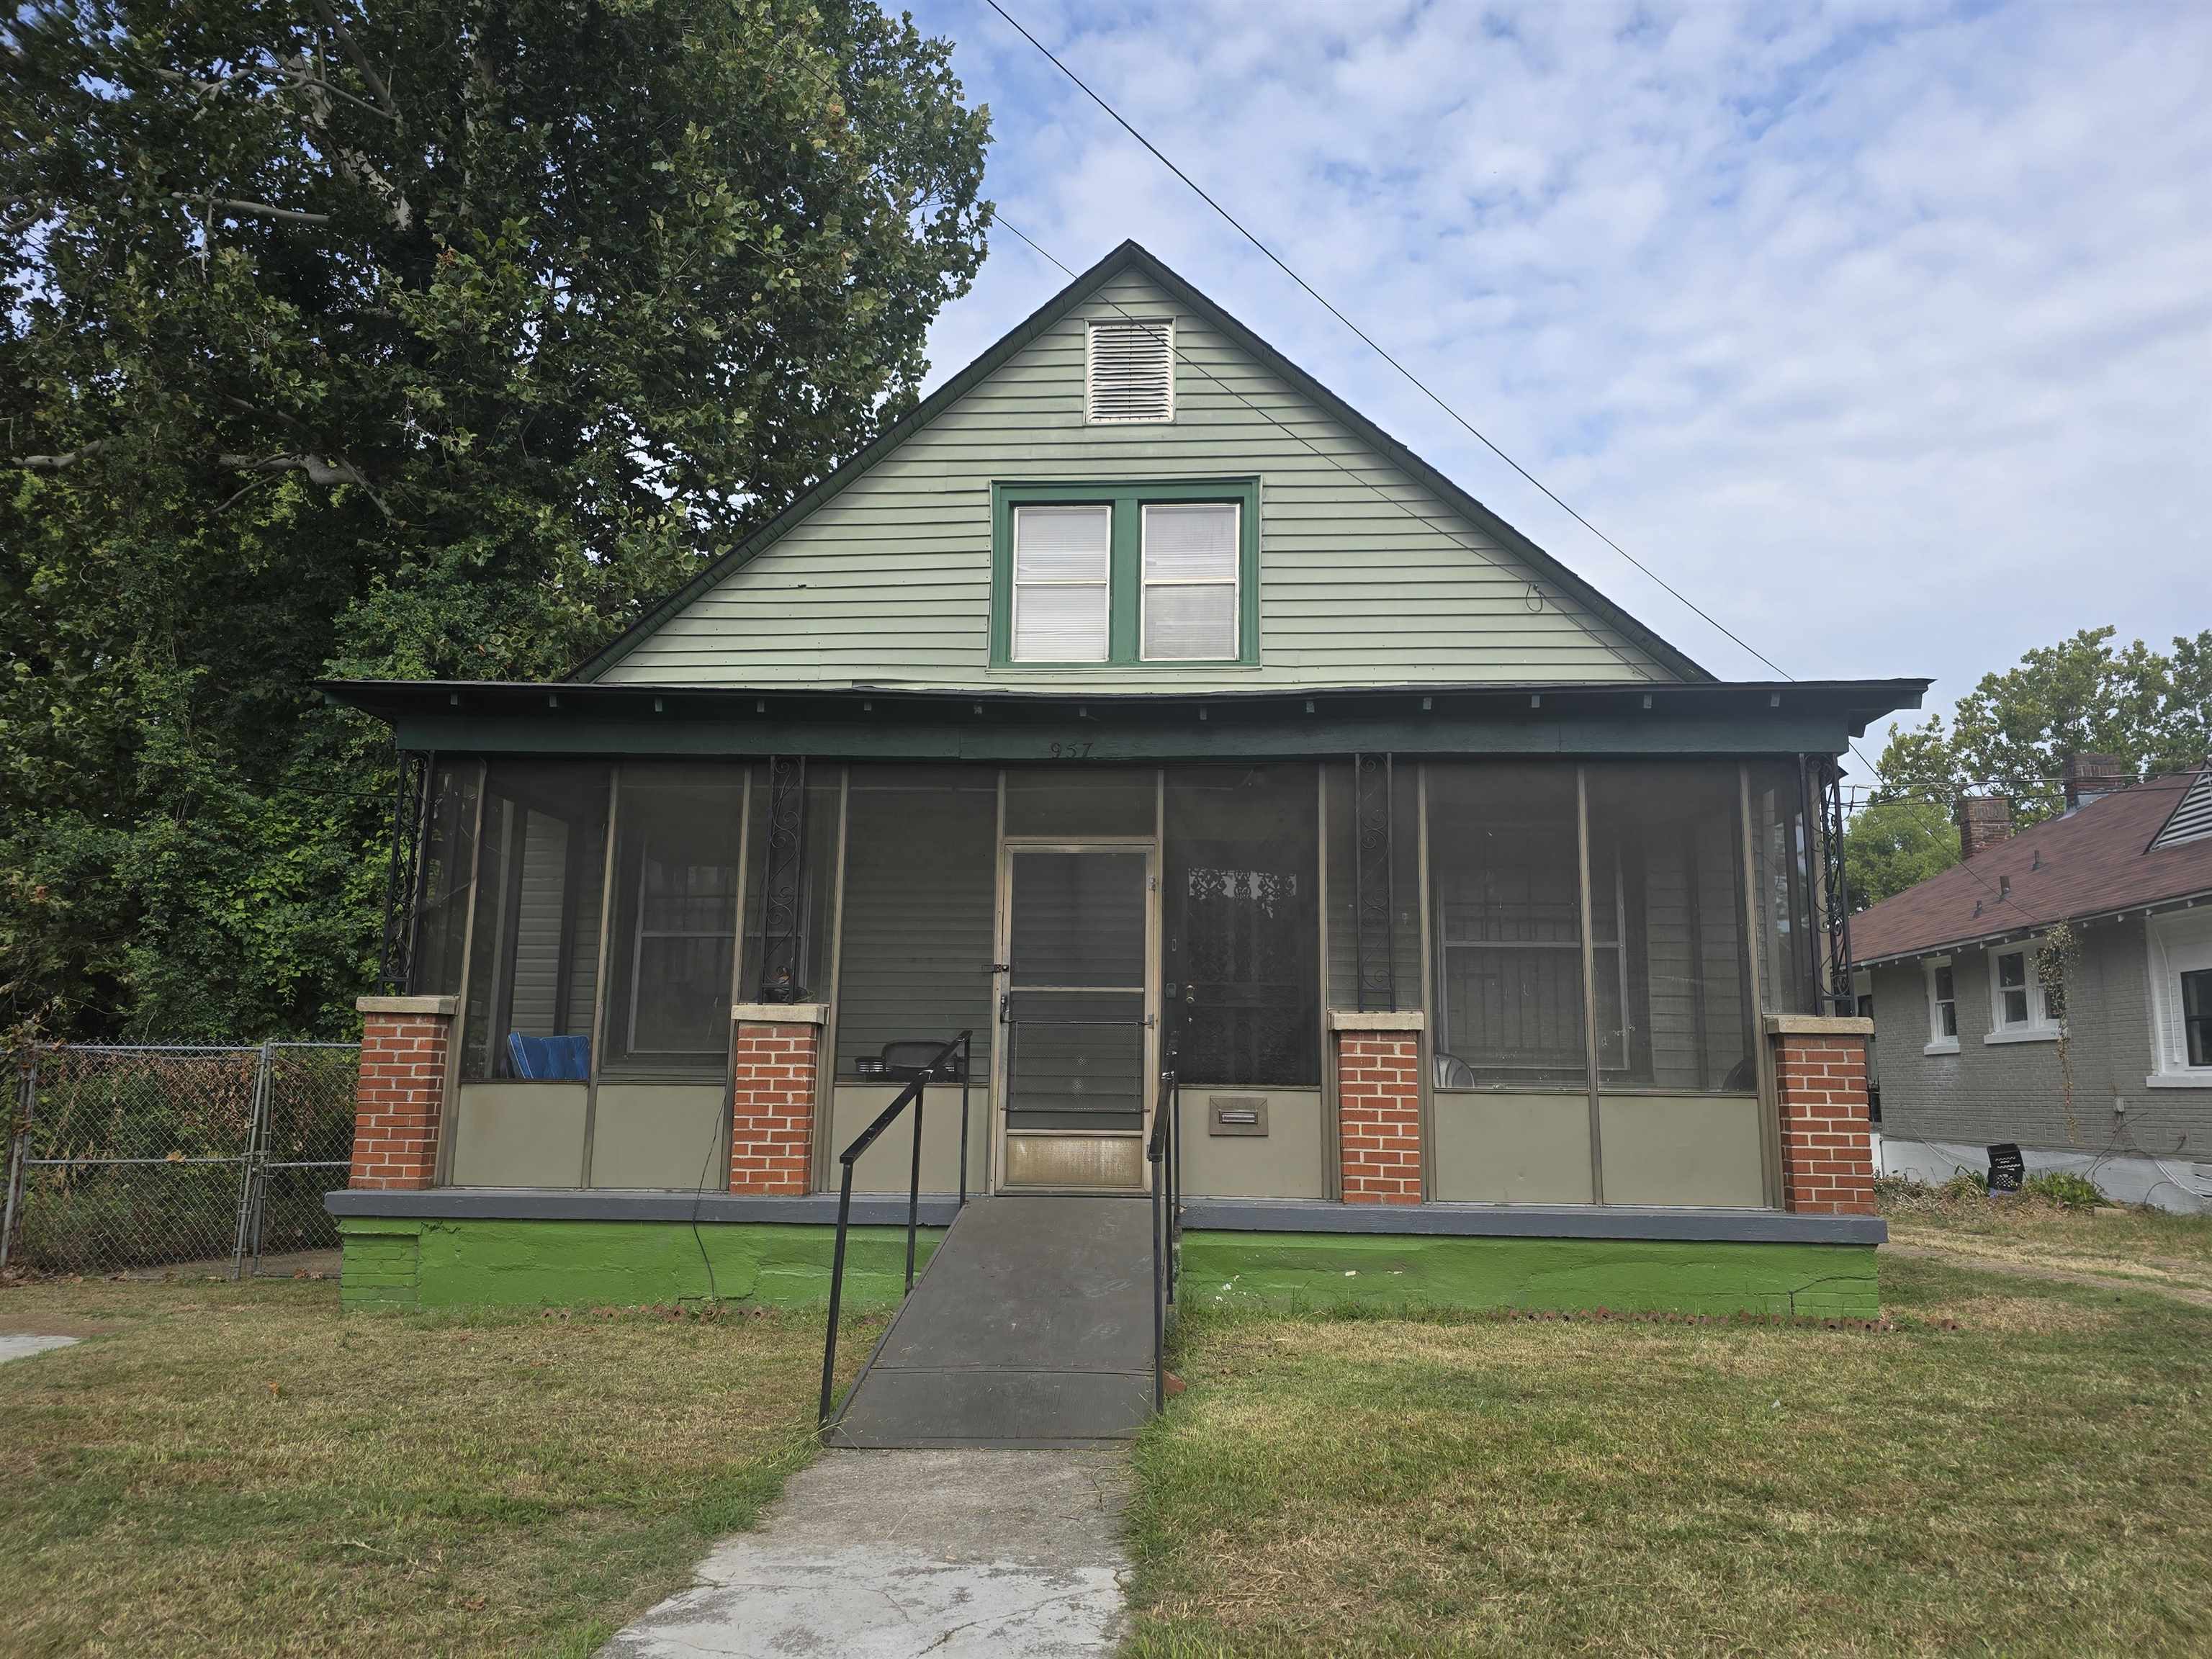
point(1323, 1270)
point(405, 1263)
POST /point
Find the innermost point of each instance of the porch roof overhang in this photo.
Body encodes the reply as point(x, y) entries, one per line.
point(866, 722)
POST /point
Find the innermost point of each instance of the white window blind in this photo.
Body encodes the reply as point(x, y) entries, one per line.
point(1190, 574)
point(1060, 595)
point(1131, 371)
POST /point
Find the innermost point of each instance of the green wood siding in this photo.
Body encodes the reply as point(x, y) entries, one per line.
point(889, 582)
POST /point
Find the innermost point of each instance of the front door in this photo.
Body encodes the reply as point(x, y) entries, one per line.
point(1074, 1016)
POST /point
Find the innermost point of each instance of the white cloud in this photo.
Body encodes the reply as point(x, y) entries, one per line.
point(1883, 331)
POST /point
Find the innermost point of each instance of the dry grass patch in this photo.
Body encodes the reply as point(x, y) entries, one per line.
point(2148, 1246)
point(237, 1469)
point(2033, 1480)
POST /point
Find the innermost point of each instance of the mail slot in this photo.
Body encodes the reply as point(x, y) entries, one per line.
point(1236, 1114)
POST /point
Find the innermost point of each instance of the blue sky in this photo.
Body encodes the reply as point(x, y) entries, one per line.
point(1883, 331)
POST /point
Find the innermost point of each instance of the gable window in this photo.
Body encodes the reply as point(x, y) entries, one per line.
point(1190, 554)
point(1943, 1008)
point(2020, 1004)
point(1126, 574)
point(1129, 370)
point(1062, 604)
point(2181, 998)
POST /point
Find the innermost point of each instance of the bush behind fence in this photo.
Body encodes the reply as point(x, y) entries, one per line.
point(148, 1155)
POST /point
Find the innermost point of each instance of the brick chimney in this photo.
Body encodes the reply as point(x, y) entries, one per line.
point(1983, 821)
point(2087, 776)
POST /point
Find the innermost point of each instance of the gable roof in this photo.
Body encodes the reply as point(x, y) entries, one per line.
point(1131, 257)
point(2105, 856)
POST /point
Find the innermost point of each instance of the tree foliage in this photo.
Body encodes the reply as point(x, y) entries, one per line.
point(390, 338)
point(2011, 736)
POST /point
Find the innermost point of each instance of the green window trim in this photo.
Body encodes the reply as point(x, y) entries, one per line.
point(1125, 566)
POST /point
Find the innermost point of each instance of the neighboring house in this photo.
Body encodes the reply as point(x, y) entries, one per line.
point(1140, 706)
point(2109, 1075)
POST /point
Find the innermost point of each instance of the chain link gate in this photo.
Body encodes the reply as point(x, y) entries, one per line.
point(150, 1155)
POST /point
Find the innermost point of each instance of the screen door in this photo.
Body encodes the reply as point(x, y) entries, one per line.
point(1075, 1011)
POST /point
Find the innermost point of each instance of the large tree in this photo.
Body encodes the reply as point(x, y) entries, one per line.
point(2011, 736)
point(391, 337)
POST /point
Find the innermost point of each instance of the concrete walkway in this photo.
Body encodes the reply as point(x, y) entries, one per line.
point(899, 1554)
point(23, 1347)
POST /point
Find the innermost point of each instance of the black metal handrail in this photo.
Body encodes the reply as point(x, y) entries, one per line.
point(913, 1095)
point(1164, 1152)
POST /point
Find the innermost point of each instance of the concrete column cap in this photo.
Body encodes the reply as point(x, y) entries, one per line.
point(1377, 1020)
point(780, 1013)
point(417, 1006)
point(1818, 1025)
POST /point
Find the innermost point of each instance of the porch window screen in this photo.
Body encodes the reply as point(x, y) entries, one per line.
point(1782, 864)
point(534, 971)
point(674, 910)
point(1673, 1002)
point(1062, 556)
point(1242, 997)
point(817, 886)
point(920, 879)
point(1190, 564)
point(1344, 831)
point(448, 857)
point(1505, 875)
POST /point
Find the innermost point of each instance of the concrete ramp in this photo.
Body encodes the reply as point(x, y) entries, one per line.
point(1032, 1327)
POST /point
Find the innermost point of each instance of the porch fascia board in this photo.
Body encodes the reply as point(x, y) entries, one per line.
point(863, 724)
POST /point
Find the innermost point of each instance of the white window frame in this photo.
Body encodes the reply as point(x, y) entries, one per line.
point(2179, 942)
point(1939, 1040)
point(1236, 584)
point(2038, 1027)
point(1103, 583)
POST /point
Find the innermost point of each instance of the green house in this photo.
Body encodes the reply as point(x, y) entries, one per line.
point(1138, 710)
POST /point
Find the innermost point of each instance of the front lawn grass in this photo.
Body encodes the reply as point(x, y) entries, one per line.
point(236, 1469)
point(2132, 1242)
point(2037, 1480)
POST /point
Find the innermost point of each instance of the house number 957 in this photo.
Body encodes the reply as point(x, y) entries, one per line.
point(1071, 749)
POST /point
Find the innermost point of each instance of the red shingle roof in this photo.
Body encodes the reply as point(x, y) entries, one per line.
point(2090, 862)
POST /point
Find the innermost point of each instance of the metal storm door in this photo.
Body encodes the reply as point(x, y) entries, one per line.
point(1075, 1015)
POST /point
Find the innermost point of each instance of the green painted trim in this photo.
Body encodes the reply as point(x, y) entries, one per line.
point(569, 1264)
point(1129, 255)
point(1381, 1271)
point(1125, 568)
point(1172, 731)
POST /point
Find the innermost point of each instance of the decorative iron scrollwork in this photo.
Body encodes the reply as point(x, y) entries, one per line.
point(1835, 884)
point(783, 908)
point(1374, 904)
point(403, 881)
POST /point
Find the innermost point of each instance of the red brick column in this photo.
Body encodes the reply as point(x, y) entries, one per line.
point(1378, 1106)
point(400, 1098)
point(1827, 1145)
point(776, 1058)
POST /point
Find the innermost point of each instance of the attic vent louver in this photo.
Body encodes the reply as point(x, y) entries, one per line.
point(1131, 373)
point(2192, 817)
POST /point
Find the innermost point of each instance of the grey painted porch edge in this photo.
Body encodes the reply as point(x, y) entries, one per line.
point(1269, 1215)
point(531, 1203)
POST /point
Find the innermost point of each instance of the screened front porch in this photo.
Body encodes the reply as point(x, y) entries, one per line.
point(1588, 947)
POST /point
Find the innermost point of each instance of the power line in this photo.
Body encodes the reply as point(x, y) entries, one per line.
point(1412, 379)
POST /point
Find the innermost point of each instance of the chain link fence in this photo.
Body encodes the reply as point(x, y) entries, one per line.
point(151, 1155)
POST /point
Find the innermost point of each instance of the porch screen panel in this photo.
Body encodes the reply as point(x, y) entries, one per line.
point(817, 886)
point(920, 878)
point(1080, 798)
point(675, 920)
point(448, 860)
point(1673, 1008)
point(1242, 992)
point(1782, 866)
point(1505, 883)
point(1405, 885)
point(533, 965)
